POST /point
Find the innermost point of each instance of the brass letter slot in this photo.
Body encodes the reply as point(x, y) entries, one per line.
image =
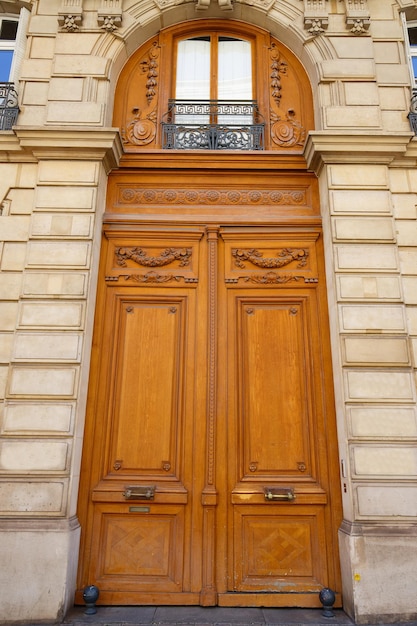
point(283, 494)
point(139, 492)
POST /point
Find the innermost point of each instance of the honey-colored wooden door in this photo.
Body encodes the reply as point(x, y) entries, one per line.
point(210, 432)
point(279, 418)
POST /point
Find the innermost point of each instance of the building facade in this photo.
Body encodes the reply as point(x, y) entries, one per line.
point(208, 304)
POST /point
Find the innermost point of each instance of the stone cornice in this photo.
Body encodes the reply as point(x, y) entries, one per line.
point(398, 528)
point(32, 144)
point(323, 147)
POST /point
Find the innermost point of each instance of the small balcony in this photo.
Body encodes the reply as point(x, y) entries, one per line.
point(212, 125)
point(8, 106)
point(412, 116)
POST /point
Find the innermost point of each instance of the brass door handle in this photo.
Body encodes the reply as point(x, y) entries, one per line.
point(282, 494)
point(139, 492)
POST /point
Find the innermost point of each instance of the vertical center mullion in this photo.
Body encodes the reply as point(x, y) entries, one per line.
point(214, 60)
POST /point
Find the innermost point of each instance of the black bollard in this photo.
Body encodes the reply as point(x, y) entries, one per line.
point(90, 597)
point(327, 597)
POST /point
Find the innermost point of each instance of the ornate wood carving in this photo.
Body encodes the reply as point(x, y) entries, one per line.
point(284, 257)
point(291, 197)
point(140, 256)
point(271, 278)
point(278, 68)
point(286, 130)
point(141, 129)
point(289, 132)
point(208, 593)
point(152, 278)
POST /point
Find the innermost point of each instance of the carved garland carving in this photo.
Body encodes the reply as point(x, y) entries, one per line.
point(284, 257)
point(140, 256)
point(291, 197)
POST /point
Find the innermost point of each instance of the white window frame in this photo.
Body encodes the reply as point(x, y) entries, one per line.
point(410, 50)
point(18, 45)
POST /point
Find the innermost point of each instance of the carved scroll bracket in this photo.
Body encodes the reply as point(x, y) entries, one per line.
point(109, 15)
point(357, 16)
point(316, 16)
point(70, 15)
point(224, 5)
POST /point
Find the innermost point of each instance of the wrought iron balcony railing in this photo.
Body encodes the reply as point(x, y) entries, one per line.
point(213, 125)
point(412, 116)
point(8, 106)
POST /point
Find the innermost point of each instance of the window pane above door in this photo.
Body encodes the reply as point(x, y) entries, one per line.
point(234, 69)
point(193, 69)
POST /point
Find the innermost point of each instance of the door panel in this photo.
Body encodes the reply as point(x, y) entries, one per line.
point(148, 387)
point(210, 431)
point(138, 551)
point(279, 550)
point(272, 364)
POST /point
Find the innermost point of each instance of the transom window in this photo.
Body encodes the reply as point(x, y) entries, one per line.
point(214, 67)
point(213, 106)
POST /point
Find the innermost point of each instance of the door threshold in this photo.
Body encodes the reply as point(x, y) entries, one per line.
point(198, 616)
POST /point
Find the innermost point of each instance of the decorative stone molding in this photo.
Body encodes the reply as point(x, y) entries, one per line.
point(70, 16)
point(109, 16)
point(357, 16)
point(316, 16)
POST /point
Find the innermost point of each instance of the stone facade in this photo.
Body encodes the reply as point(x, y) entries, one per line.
point(53, 169)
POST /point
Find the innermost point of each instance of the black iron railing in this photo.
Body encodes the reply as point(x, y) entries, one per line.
point(213, 125)
point(8, 106)
point(412, 116)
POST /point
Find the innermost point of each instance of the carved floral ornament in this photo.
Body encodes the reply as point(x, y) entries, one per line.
point(316, 13)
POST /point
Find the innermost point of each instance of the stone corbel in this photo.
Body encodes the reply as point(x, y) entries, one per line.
point(225, 5)
point(109, 16)
point(70, 15)
point(357, 16)
point(316, 16)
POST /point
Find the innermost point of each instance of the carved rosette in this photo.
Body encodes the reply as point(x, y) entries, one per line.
point(287, 132)
point(281, 197)
point(141, 130)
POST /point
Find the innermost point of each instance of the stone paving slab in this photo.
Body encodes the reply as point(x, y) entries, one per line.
point(205, 616)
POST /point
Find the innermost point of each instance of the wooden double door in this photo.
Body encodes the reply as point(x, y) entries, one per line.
point(210, 472)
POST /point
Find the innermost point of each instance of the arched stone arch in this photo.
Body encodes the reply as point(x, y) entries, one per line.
point(141, 21)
